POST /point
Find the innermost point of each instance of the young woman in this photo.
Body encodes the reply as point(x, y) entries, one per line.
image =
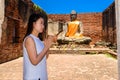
point(35, 47)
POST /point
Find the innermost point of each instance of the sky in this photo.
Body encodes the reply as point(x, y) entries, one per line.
point(66, 6)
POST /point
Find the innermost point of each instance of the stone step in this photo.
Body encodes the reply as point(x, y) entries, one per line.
point(82, 49)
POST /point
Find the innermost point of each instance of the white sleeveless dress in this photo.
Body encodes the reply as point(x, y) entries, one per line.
point(30, 71)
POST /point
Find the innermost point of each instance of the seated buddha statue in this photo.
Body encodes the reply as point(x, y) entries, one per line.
point(74, 27)
point(74, 32)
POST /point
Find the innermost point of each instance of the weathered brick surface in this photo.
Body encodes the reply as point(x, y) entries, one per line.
point(109, 24)
point(15, 14)
point(14, 25)
point(92, 23)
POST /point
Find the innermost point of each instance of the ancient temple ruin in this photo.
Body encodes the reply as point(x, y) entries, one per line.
point(13, 19)
point(14, 15)
point(109, 24)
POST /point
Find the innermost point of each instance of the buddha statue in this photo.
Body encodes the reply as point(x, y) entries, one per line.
point(73, 31)
point(74, 27)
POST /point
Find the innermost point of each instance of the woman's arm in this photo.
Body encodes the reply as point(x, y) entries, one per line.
point(47, 54)
point(32, 53)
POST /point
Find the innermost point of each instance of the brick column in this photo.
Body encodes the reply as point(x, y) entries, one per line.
point(117, 8)
point(2, 9)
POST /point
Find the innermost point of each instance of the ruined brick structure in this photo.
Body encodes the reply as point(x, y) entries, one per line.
point(92, 23)
point(109, 24)
point(16, 16)
point(13, 28)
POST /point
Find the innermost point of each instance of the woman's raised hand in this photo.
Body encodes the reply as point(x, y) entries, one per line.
point(50, 40)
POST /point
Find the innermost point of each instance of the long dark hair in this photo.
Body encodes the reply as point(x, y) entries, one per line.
point(33, 18)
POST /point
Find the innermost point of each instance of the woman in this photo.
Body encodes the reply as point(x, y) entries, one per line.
point(34, 49)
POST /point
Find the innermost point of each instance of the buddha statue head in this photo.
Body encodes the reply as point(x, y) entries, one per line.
point(73, 15)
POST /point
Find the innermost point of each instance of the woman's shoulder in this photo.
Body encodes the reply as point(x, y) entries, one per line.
point(28, 39)
point(29, 42)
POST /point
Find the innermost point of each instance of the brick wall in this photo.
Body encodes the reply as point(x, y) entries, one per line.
point(13, 29)
point(16, 15)
point(92, 23)
point(109, 24)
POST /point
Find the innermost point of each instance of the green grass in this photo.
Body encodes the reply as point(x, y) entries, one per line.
point(110, 56)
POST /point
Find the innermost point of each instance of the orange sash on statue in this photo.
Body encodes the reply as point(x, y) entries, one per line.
point(72, 28)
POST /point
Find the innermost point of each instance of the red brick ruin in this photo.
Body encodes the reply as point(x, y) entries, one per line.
point(98, 26)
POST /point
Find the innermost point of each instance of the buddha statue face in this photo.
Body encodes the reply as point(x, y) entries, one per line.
point(73, 17)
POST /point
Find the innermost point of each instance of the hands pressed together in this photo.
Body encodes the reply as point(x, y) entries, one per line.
point(50, 40)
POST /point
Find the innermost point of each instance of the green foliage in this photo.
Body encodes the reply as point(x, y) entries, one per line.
point(38, 9)
point(110, 56)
